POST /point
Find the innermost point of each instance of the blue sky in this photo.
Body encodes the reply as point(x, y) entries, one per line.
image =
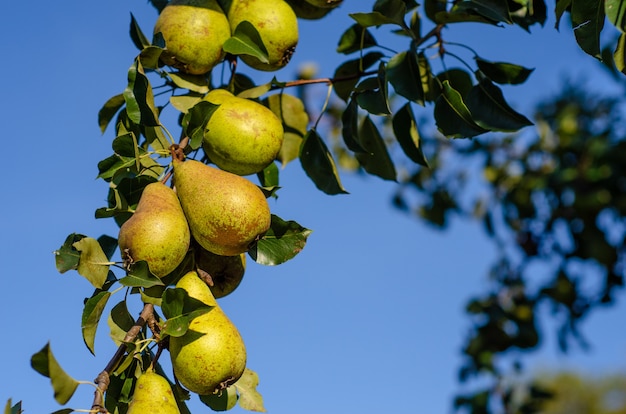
point(368, 318)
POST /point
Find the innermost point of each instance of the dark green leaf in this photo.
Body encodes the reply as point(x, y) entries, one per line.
point(588, 21)
point(224, 400)
point(108, 167)
point(407, 134)
point(149, 57)
point(120, 321)
point(354, 39)
point(494, 10)
point(139, 39)
point(282, 242)
point(91, 317)
point(434, 7)
point(349, 73)
point(392, 9)
point(108, 244)
point(180, 309)
point(561, 7)
point(376, 160)
point(126, 146)
point(460, 80)
point(403, 72)
point(373, 95)
point(108, 111)
point(503, 72)
point(9, 408)
point(44, 363)
point(158, 4)
point(139, 276)
point(269, 176)
point(372, 19)
point(453, 118)
point(195, 121)
point(139, 98)
point(490, 110)
point(246, 40)
point(319, 165)
point(350, 127)
point(616, 12)
point(67, 256)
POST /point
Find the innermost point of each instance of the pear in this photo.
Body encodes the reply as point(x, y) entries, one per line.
point(226, 212)
point(157, 232)
point(152, 394)
point(226, 271)
point(194, 33)
point(277, 25)
point(242, 136)
point(207, 363)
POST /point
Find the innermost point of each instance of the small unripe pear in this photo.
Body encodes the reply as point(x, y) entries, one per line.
point(157, 232)
point(242, 136)
point(194, 33)
point(226, 212)
point(211, 355)
point(153, 394)
point(277, 25)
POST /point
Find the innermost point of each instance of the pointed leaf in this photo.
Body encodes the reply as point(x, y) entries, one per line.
point(91, 317)
point(139, 276)
point(403, 72)
point(139, 39)
point(349, 73)
point(180, 309)
point(249, 398)
point(616, 12)
point(407, 134)
point(184, 102)
point(139, 97)
point(108, 111)
point(67, 256)
point(194, 83)
point(350, 127)
point(9, 408)
point(375, 100)
point(63, 385)
point(453, 118)
point(434, 7)
point(502, 72)
point(93, 264)
point(120, 322)
point(376, 160)
point(588, 21)
point(495, 11)
point(619, 56)
point(319, 165)
point(224, 400)
point(282, 242)
point(292, 113)
point(246, 40)
point(354, 39)
point(195, 121)
point(371, 19)
point(490, 110)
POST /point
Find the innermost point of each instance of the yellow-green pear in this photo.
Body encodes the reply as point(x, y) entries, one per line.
point(277, 25)
point(226, 213)
point(211, 355)
point(217, 96)
point(152, 394)
point(194, 33)
point(157, 232)
point(226, 271)
point(242, 136)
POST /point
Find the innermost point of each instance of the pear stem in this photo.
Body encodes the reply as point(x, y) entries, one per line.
point(102, 381)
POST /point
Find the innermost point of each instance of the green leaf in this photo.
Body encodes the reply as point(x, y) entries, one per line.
point(268, 178)
point(319, 165)
point(561, 7)
point(403, 72)
point(434, 7)
point(453, 118)
point(120, 322)
point(194, 83)
point(195, 121)
point(258, 91)
point(496, 11)
point(159, 5)
point(246, 40)
point(282, 242)
point(139, 97)
point(295, 119)
point(9, 408)
point(67, 256)
point(108, 111)
point(350, 72)
point(139, 39)
point(375, 97)
point(616, 12)
point(376, 160)
point(490, 110)
point(619, 56)
point(184, 102)
point(224, 400)
point(354, 39)
point(249, 398)
point(91, 317)
point(139, 276)
point(180, 309)
point(407, 134)
point(503, 72)
point(460, 80)
point(588, 21)
point(350, 127)
point(63, 385)
point(392, 9)
point(93, 264)
point(150, 57)
point(371, 19)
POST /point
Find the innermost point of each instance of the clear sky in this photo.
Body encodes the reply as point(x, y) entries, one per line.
point(368, 318)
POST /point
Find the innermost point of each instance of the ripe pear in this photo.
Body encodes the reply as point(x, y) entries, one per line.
point(152, 394)
point(208, 363)
point(242, 136)
point(277, 25)
point(194, 33)
point(225, 271)
point(226, 212)
point(157, 232)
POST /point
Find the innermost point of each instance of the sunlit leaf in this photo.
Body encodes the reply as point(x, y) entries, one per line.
point(184, 102)
point(503, 72)
point(403, 72)
point(407, 134)
point(376, 159)
point(246, 40)
point(588, 21)
point(63, 385)
point(9, 408)
point(67, 256)
point(120, 322)
point(619, 56)
point(93, 264)
point(319, 165)
point(194, 83)
point(282, 242)
point(249, 398)
point(92, 312)
point(139, 276)
point(139, 97)
point(452, 116)
point(355, 38)
point(108, 111)
point(491, 111)
point(295, 119)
